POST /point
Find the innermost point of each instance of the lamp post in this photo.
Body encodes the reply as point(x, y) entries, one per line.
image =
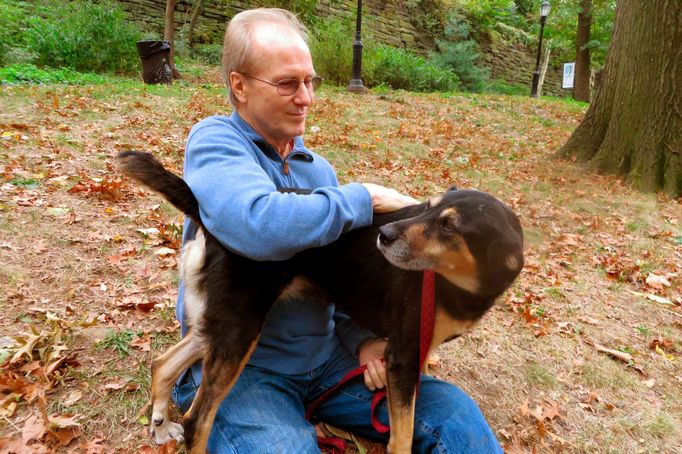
point(544, 11)
point(356, 85)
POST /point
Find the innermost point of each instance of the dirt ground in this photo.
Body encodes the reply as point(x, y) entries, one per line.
point(581, 356)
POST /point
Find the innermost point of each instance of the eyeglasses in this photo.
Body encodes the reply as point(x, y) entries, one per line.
point(288, 87)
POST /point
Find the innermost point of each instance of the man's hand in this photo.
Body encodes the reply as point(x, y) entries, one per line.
point(371, 352)
point(386, 199)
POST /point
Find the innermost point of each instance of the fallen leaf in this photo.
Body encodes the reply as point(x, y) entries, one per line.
point(143, 343)
point(72, 398)
point(66, 435)
point(115, 385)
point(587, 407)
point(656, 281)
point(34, 429)
point(660, 351)
point(655, 298)
point(662, 343)
point(169, 448)
point(94, 446)
point(29, 343)
point(623, 356)
point(590, 321)
point(57, 211)
point(149, 231)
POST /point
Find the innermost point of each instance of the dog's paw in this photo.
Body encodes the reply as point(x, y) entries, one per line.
point(166, 432)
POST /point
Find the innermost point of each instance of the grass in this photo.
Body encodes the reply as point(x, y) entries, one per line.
point(92, 265)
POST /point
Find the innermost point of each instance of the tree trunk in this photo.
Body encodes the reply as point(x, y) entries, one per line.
point(169, 32)
point(581, 84)
point(198, 7)
point(633, 127)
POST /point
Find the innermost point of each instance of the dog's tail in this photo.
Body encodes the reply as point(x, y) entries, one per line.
point(144, 168)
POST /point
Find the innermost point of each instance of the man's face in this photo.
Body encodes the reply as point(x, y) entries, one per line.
point(278, 54)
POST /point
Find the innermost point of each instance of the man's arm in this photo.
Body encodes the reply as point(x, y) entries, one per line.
point(366, 346)
point(240, 205)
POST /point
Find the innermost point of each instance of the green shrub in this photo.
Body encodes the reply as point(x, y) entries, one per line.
point(459, 53)
point(28, 73)
point(85, 36)
point(487, 14)
point(211, 54)
point(429, 16)
point(505, 88)
point(401, 69)
point(331, 45)
point(13, 19)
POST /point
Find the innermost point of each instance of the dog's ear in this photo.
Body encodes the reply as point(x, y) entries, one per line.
point(452, 188)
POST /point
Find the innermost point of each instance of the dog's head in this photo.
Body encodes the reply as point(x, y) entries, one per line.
point(469, 237)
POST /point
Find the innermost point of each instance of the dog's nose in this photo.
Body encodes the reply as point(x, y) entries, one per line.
point(387, 234)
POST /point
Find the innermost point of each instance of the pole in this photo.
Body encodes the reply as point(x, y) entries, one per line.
point(356, 85)
point(536, 73)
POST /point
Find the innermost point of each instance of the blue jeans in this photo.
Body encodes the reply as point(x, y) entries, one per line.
point(264, 412)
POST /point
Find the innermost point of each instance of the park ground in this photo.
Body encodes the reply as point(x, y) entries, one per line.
point(582, 355)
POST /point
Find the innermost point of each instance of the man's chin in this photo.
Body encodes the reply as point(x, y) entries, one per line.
point(298, 129)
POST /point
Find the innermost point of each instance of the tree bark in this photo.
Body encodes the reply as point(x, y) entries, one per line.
point(581, 83)
point(633, 128)
point(198, 7)
point(168, 35)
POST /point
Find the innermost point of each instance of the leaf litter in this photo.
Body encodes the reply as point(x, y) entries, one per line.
point(581, 354)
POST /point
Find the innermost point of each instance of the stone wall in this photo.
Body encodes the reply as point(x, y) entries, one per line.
point(515, 63)
point(388, 22)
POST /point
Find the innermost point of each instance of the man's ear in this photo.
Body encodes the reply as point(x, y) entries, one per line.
point(237, 86)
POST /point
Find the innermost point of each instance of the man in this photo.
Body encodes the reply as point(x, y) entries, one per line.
point(234, 166)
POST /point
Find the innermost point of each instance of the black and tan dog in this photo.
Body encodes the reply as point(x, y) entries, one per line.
point(470, 239)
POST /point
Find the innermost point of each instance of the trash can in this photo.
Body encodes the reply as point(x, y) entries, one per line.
point(155, 57)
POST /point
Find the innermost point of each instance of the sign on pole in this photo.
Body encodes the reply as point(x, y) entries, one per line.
point(569, 72)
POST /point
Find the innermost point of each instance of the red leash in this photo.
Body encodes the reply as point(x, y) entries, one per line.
point(427, 318)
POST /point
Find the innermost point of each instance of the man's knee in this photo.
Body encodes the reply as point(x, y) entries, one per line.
point(448, 420)
point(265, 439)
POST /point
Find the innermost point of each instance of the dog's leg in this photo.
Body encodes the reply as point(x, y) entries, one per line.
point(221, 368)
point(400, 410)
point(402, 372)
point(166, 370)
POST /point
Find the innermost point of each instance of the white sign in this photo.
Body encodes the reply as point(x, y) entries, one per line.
point(569, 72)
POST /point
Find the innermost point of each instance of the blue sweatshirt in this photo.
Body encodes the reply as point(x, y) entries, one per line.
point(234, 175)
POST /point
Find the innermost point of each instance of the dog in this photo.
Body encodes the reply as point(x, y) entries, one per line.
point(472, 241)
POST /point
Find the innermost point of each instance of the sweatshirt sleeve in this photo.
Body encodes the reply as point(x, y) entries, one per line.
point(239, 203)
point(350, 333)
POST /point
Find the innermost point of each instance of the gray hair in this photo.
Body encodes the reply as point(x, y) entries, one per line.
point(238, 43)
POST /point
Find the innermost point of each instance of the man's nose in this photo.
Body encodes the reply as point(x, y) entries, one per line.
point(303, 97)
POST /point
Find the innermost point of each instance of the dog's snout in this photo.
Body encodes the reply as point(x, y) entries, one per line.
point(387, 234)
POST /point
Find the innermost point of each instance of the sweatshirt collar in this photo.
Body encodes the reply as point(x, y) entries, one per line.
point(299, 150)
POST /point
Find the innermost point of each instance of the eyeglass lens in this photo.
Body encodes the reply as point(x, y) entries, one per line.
point(290, 86)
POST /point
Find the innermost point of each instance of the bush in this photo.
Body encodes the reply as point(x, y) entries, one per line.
point(26, 73)
point(401, 69)
point(211, 54)
point(13, 19)
point(487, 14)
point(459, 53)
point(331, 46)
point(506, 88)
point(84, 36)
